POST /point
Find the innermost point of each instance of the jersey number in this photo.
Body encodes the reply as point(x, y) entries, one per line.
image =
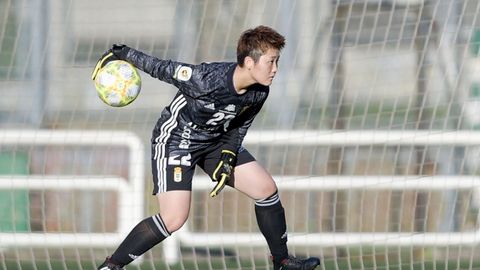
point(180, 160)
point(219, 116)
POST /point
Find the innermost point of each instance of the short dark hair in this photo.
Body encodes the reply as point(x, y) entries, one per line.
point(255, 42)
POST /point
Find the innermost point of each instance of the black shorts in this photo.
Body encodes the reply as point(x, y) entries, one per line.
point(173, 167)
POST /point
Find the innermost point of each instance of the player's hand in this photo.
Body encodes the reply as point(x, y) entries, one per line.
point(116, 52)
point(223, 171)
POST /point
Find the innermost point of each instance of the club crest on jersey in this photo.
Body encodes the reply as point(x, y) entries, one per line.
point(177, 174)
point(183, 73)
point(244, 109)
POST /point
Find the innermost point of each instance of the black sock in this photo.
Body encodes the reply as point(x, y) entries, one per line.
point(148, 233)
point(272, 224)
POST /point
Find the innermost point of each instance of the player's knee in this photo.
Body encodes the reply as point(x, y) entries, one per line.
point(268, 189)
point(174, 222)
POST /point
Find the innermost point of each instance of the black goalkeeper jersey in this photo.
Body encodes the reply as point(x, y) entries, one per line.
point(206, 101)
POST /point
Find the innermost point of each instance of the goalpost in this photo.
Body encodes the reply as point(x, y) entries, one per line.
point(371, 131)
point(367, 183)
point(130, 191)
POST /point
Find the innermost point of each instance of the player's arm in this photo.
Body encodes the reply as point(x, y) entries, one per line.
point(232, 140)
point(239, 126)
point(223, 170)
point(158, 68)
point(227, 162)
point(186, 77)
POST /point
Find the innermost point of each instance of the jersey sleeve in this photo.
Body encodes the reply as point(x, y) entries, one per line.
point(186, 77)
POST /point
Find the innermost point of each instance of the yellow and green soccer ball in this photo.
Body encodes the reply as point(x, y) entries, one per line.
point(118, 83)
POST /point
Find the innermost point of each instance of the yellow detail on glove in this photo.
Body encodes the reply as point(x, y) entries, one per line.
point(99, 64)
point(219, 186)
point(223, 171)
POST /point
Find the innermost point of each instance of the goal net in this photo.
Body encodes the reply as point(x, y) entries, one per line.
point(371, 131)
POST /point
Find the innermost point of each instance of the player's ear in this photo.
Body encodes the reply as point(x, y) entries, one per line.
point(249, 62)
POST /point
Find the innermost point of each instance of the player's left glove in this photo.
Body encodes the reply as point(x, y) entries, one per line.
point(223, 171)
point(116, 52)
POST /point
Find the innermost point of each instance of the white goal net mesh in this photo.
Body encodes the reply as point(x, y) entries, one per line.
point(371, 131)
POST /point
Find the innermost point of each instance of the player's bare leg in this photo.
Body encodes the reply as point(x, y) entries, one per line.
point(254, 181)
point(174, 207)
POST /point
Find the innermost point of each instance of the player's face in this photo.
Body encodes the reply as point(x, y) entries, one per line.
point(265, 69)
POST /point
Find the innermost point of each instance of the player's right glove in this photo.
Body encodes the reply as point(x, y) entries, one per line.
point(116, 52)
point(223, 171)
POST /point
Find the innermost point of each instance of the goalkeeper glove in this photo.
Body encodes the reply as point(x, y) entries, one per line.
point(223, 171)
point(117, 52)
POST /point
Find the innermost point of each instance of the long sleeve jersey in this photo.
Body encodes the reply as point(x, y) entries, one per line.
point(206, 100)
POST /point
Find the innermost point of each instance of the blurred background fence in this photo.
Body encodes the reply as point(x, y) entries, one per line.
point(400, 71)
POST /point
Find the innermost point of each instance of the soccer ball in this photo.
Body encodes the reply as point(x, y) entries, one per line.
point(118, 83)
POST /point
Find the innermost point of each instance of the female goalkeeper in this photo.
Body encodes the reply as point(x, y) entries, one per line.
point(205, 125)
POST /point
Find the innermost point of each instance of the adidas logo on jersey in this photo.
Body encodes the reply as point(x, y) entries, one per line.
point(210, 106)
point(230, 108)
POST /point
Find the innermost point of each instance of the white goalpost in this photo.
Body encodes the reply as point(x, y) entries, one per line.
point(319, 183)
point(371, 131)
point(133, 210)
point(130, 190)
